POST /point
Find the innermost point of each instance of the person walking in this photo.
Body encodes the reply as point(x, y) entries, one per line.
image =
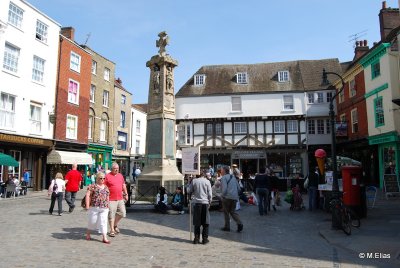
point(73, 180)
point(230, 190)
point(201, 191)
point(118, 196)
point(313, 179)
point(56, 190)
point(262, 186)
point(97, 202)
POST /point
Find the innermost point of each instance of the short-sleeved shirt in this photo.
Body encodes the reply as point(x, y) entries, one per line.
point(114, 184)
point(26, 176)
point(98, 196)
point(74, 178)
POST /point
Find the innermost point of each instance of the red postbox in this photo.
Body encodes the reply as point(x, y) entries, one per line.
point(351, 177)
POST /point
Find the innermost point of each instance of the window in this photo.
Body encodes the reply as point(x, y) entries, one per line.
point(320, 126)
point(354, 121)
point(7, 110)
point(11, 56)
point(122, 137)
point(310, 97)
point(105, 98)
point(239, 128)
point(320, 97)
point(292, 126)
point(343, 118)
point(123, 99)
point(279, 126)
point(241, 78)
point(352, 88)
point(375, 69)
point(73, 92)
point(41, 31)
point(378, 111)
point(38, 69)
point(288, 102)
point(283, 76)
point(36, 118)
point(209, 129)
point(199, 79)
point(329, 96)
point(185, 134)
point(72, 126)
point(92, 92)
point(122, 122)
point(341, 96)
point(90, 127)
point(137, 146)
point(236, 104)
point(15, 15)
point(137, 126)
point(311, 126)
point(218, 129)
point(75, 62)
point(94, 67)
point(106, 74)
point(103, 129)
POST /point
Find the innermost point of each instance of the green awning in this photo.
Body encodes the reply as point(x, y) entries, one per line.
point(6, 160)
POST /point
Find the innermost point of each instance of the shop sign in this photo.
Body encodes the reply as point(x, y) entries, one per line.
point(248, 154)
point(24, 140)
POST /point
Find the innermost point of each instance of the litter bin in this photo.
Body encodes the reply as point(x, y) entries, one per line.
point(351, 176)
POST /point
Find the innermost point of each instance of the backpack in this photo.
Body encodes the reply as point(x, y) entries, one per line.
point(55, 187)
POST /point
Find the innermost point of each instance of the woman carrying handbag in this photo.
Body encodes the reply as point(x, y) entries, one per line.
point(56, 190)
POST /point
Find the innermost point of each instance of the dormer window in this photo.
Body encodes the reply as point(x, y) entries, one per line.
point(199, 79)
point(283, 76)
point(241, 78)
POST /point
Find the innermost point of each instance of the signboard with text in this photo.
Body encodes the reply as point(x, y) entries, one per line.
point(191, 160)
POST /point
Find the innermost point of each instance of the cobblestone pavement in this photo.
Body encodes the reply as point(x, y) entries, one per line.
point(31, 237)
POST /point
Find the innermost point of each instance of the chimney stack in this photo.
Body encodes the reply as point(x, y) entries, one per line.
point(389, 19)
point(68, 32)
point(119, 81)
point(361, 48)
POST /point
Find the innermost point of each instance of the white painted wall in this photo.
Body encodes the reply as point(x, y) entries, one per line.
point(141, 136)
point(20, 84)
point(252, 105)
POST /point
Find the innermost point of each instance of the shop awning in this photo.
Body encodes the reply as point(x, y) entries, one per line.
point(64, 157)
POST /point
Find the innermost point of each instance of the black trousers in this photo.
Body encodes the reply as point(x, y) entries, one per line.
point(59, 197)
point(200, 218)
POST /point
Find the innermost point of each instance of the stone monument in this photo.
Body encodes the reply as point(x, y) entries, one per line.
point(160, 164)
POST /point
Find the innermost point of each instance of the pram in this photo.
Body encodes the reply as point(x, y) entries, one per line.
point(297, 203)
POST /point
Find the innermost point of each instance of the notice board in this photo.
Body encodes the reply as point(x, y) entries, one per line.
point(391, 184)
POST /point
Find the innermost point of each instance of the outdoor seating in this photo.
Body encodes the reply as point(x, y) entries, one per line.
point(371, 196)
point(11, 188)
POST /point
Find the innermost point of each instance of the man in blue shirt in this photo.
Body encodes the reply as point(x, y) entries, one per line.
point(26, 176)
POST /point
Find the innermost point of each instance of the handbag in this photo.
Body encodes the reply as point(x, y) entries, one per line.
point(306, 183)
point(83, 202)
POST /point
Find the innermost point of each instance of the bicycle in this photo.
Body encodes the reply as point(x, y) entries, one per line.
point(348, 218)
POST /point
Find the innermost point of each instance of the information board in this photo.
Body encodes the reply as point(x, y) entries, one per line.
point(191, 160)
point(391, 184)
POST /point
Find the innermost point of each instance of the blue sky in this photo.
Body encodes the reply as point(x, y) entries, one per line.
point(212, 32)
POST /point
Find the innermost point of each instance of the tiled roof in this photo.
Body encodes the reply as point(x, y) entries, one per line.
point(141, 107)
point(304, 75)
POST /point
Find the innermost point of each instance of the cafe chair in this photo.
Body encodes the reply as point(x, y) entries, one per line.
point(11, 188)
point(371, 196)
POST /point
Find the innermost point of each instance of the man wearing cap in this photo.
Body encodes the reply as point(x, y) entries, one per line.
point(230, 190)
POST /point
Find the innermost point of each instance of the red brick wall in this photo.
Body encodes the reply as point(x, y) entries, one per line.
point(357, 101)
point(63, 107)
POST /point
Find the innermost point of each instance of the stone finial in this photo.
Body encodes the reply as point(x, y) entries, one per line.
point(162, 42)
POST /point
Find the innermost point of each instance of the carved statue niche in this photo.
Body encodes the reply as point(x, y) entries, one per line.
point(170, 80)
point(156, 80)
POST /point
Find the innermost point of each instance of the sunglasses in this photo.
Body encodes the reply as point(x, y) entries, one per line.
point(102, 178)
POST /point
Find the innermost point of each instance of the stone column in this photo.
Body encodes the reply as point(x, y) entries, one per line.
point(160, 165)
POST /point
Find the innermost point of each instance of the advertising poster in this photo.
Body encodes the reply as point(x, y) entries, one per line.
point(191, 160)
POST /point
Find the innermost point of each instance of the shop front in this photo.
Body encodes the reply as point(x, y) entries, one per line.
point(31, 155)
point(388, 154)
point(101, 160)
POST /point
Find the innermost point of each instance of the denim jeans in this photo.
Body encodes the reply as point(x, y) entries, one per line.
point(312, 197)
point(70, 198)
point(59, 196)
point(263, 202)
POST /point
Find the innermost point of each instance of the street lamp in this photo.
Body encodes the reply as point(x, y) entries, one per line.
point(335, 182)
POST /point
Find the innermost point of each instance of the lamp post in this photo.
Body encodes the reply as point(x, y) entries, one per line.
point(335, 183)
